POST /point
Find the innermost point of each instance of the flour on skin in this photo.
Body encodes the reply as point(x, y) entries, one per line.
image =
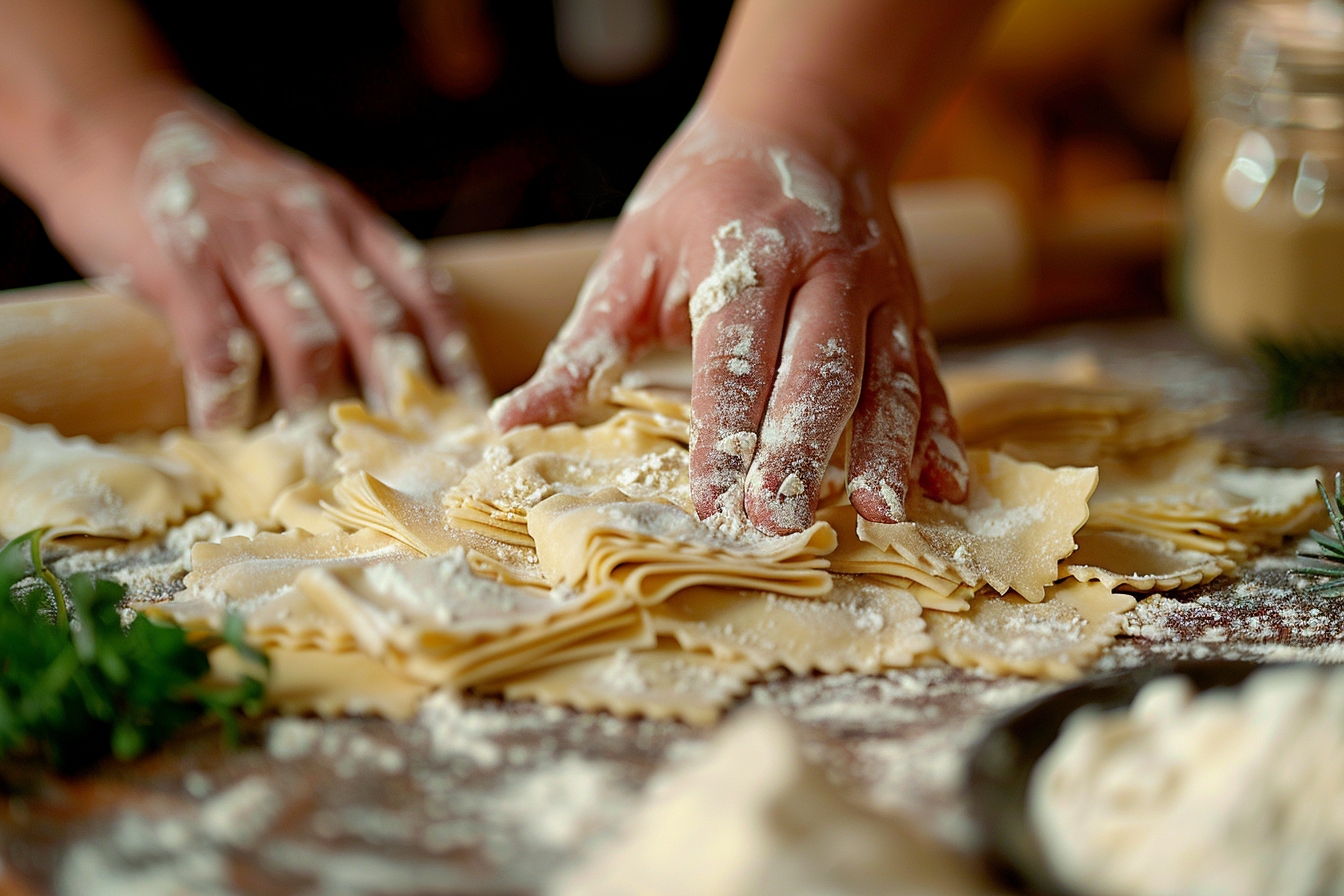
point(273, 268)
point(736, 341)
point(732, 275)
point(803, 180)
point(177, 144)
point(226, 399)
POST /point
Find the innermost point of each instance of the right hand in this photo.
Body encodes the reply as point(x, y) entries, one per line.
point(789, 278)
point(246, 245)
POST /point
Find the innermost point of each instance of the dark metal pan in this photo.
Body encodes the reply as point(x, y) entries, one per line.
point(1002, 762)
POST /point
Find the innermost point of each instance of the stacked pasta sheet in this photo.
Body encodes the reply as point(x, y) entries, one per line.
point(388, 554)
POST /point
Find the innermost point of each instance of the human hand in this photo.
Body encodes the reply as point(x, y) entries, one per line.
point(245, 245)
point(791, 282)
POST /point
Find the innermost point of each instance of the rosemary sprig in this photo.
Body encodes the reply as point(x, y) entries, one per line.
point(1302, 374)
point(76, 684)
point(1328, 562)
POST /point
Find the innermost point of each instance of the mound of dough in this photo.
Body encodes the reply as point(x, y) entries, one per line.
point(1230, 792)
point(76, 486)
point(1055, 638)
point(753, 818)
point(651, 550)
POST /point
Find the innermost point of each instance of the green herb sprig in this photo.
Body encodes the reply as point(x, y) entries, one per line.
point(76, 684)
point(1302, 375)
point(1328, 560)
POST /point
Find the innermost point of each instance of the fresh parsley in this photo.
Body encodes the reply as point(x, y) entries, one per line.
point(77, 684)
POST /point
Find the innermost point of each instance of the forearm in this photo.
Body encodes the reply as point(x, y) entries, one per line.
point(863, 72)
point(61, 61)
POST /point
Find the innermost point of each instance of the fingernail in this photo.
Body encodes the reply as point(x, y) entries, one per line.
point(272, 266)
point(791, 487)
point(782, 510)
point(741, 445)
point(454, 350)
point(456, 362)
point(303, 196)
point(312, 326)
point(891, 495)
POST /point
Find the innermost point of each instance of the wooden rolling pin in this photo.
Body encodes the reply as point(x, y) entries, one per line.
point(96, 363)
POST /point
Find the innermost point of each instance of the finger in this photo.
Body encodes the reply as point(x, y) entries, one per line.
point(940, 457)
point(377, 328)
point(886, 420)
point(674, 315)
point(397, 263)
point(813, 398)
point(302, 342)
point(737, 314)
point(592, 349)
point(221, 357)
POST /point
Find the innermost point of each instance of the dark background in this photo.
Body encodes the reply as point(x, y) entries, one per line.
point(523, 142)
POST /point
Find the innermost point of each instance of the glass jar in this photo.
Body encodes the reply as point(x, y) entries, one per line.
point(1263, 180)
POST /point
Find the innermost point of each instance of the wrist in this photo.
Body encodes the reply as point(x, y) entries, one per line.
point(82, 139)
point(832, 129)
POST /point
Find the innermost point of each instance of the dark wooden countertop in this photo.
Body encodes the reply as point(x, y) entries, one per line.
point(494, 798)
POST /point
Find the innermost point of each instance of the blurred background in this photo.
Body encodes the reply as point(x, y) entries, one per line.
point(469, 115)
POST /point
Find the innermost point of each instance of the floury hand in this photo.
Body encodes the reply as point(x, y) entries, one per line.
point(249, 247)
point(790, 280)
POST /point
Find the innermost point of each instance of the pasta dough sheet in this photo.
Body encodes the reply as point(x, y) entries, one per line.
point(1055, 638)
point(1015, 527)
point(650, 550)
point(249, 471)
point(76, 486)
point(859, 626)
point(327, 683)
point(420, 549)
point(255, 577)
point(1140, 563)
point(1186, 495)
point(532, 463)
point(1064, 411)
point(436, 621)
point(663, 683)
